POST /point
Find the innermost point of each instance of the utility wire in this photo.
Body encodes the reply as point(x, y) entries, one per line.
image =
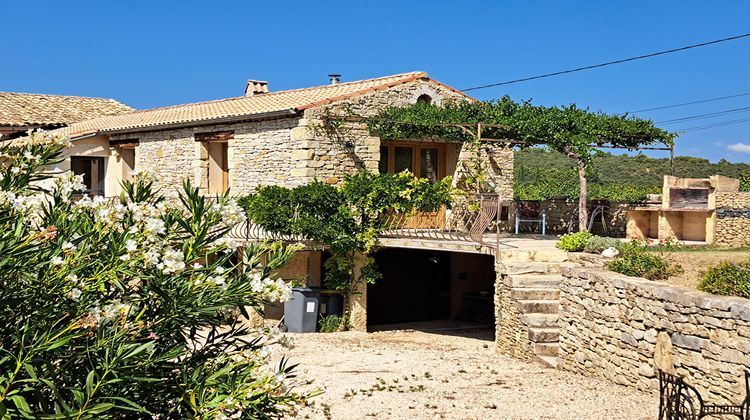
point(714, 125)
point(704, 116)
point(609, 63)
point(689, 103)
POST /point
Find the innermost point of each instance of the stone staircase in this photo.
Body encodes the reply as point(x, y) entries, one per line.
point(534, 286)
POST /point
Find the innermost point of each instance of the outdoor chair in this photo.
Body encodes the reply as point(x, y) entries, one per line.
point(680, 401)
point(531, 213)
point(599, 212)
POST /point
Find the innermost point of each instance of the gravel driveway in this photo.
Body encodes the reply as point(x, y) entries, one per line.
point(407, 374)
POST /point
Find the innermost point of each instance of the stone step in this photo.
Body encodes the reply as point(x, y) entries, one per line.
point(529, 267)
point(538, 306)
point(552, 255)
point(544, 335)
point(532, 280)
point(535, 293)
point(546, 349)
point(541, 320)
point(549, 361)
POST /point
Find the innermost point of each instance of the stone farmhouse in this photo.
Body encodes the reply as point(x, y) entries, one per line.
point(280, 138)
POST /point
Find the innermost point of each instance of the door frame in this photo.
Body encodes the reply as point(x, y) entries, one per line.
point(416, 155)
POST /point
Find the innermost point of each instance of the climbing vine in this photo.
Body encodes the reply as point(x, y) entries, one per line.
point(572, 131)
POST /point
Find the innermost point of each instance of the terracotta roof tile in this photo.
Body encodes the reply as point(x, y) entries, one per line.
point(281, 101)
point(31, 109)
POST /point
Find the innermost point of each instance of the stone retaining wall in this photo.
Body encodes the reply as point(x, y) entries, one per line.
point(622, 328)
point(732, 225)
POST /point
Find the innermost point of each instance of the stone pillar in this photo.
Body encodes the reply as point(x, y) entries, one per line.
point(357, 305)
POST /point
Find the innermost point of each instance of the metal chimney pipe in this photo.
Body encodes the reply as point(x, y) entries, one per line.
point(335, 78)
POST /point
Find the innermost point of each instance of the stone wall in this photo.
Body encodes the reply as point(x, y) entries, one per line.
point(261, 153)
point(622, 328)
point(732, 225)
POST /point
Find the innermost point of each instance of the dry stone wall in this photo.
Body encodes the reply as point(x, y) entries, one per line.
point(623, 328)
point(732, 226)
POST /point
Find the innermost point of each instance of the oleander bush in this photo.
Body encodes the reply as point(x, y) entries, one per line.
point(635, 259)
point(727, 278)
point(129, 307)
point(574, 242)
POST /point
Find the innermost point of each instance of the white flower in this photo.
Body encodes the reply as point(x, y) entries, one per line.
point(172, 261)
point(74, 294)
point(15, 170)
point(130, 245)
point(124, 257)
point(72, 278)
point(220, 270)
point(197, 266)
point(68, 247)
point(57, 261)
point(231, 212)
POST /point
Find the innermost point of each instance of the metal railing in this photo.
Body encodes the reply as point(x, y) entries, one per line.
point(469, 220)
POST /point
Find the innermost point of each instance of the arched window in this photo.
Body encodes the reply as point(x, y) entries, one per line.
point(424, 99)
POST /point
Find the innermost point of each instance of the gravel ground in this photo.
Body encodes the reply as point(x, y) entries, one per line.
point(409, 374)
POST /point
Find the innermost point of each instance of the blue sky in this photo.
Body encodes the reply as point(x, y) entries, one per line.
point(154, 53)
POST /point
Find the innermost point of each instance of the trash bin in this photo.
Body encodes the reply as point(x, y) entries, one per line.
point(301, 311)
point(334, 303)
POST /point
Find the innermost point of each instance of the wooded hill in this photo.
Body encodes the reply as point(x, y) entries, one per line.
point(541, 174)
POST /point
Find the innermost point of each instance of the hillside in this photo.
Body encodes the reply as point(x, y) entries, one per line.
point(541, 174)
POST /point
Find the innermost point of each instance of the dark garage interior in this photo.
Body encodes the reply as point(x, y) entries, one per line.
point(422, 285)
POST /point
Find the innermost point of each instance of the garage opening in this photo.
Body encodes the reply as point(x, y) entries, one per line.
point(422, 286)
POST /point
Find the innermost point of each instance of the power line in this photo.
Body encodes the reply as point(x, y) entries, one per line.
point(609, 63)
point(714, 125)
point(690, 103)
point(703, 116)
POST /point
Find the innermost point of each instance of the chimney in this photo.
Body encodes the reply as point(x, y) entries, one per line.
point(335, 78)
point(256, 87)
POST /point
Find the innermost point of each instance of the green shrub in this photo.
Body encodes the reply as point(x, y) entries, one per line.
point(597, 244)
point(574, 242)
point(636, 260)
point(727, 278)
point(330, 323)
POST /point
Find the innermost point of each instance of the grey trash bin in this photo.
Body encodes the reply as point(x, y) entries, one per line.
point(301, 311)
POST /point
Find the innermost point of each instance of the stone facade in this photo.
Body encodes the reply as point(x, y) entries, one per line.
point(732, 224)
point(260, 153)
point(623, 328)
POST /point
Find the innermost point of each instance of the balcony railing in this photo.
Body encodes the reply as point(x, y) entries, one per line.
point(472, 219)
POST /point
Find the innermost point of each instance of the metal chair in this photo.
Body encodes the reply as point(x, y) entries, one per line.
point(527, 214)
point(680, 401)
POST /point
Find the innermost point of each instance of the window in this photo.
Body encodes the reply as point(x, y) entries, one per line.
point(423, 160)
point(92, 169)
point(424, 99)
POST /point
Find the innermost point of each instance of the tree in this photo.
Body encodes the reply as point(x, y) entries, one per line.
point(574, 132)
